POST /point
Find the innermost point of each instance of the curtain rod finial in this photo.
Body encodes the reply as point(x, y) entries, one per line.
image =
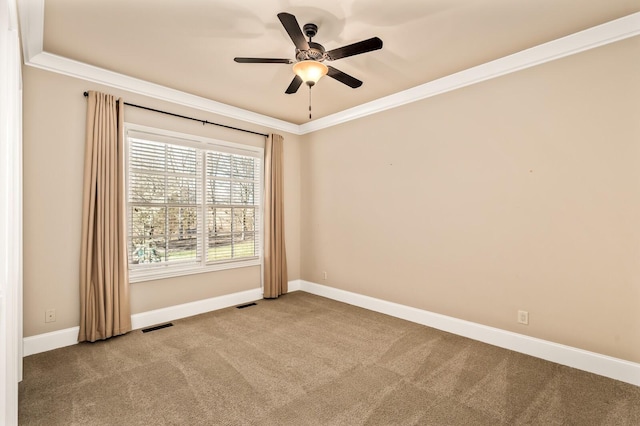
point(86, 94)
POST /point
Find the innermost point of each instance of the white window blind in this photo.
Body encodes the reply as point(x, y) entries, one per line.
point(232, 198)
point(193, 205)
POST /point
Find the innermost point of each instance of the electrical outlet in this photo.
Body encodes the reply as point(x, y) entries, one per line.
point(50, 315)
point(324, 275)
point(523, 317)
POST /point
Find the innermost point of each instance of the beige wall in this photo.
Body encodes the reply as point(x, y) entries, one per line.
point(517, 193)
point(54, 126)
point(522, 192)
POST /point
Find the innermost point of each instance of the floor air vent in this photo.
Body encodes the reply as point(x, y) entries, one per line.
point(157, 327)
point(246, 306)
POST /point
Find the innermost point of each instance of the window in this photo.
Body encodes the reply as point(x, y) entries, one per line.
point(193, 204)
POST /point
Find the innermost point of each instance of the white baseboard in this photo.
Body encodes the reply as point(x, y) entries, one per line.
point(147, 319)
point(49, 341)
point(295, 285)
point(69, 336)
point(592, 362)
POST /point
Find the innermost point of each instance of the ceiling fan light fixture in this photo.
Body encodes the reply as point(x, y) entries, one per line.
point(310, 71)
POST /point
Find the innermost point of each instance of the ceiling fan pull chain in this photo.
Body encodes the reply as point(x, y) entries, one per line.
point(309, 102)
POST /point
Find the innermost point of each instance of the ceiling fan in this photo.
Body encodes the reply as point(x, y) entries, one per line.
point(309, 56)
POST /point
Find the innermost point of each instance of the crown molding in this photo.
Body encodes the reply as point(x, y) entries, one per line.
point(32, 30)
point(12, 21)
point(31, 15)
point(591, 38)
point(59, 64)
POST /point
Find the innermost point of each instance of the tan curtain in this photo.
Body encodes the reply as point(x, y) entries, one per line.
point(104, 281)
point(275, 257)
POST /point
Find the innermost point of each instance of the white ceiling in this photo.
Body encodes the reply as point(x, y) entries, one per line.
point(189, 45)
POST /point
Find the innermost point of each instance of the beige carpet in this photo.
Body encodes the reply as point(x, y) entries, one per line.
point(307, 360)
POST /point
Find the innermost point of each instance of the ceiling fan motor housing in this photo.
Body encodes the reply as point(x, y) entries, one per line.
point(315, 52)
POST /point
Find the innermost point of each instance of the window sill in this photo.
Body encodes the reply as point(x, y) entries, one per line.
point(165, 271)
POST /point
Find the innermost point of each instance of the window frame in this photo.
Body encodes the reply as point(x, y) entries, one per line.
point(168, 270)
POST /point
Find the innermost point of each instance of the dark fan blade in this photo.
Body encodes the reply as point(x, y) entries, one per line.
point(263, 61)
point(294, 86)
point(290, 23)
point(344, 77)
point(355, 49)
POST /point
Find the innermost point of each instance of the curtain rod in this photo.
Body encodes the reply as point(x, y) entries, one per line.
point(190, 118)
